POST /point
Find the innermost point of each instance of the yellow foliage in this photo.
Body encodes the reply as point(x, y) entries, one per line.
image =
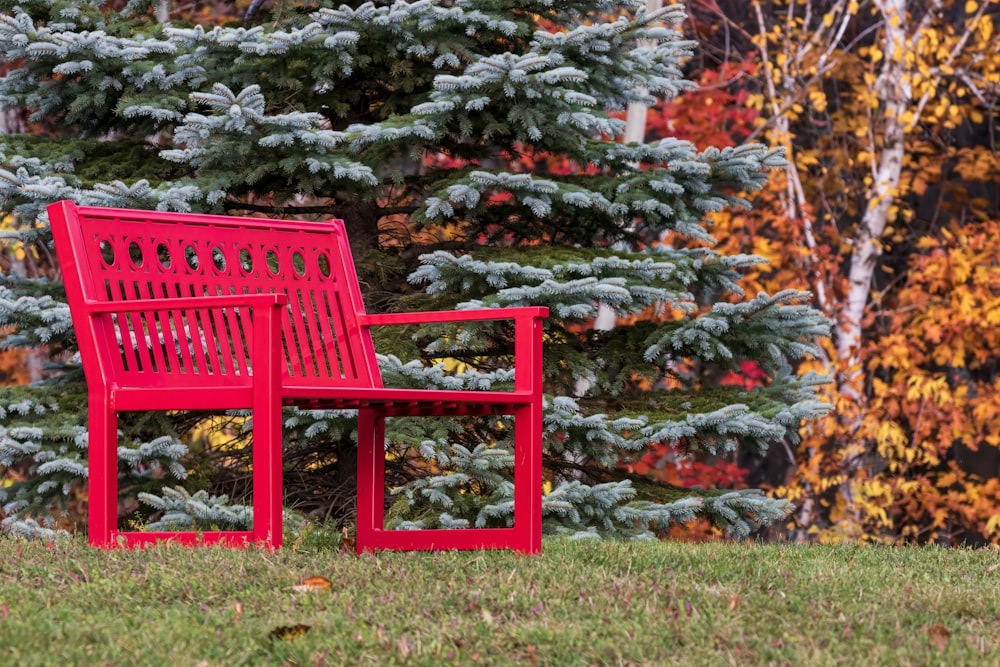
point(885, 458)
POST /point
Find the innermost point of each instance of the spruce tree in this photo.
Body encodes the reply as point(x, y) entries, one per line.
point(473, 150)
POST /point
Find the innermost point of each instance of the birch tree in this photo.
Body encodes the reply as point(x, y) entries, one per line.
point(868, 98)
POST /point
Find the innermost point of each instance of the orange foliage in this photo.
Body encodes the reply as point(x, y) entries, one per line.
point(16, 367)
point(912, 450)
point(934, 412)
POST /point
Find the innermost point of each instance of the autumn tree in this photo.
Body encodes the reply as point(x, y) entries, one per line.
point(886, 109)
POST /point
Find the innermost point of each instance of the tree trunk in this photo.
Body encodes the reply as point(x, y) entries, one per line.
point(887, 148)
point(893, 94)
point(361, 220)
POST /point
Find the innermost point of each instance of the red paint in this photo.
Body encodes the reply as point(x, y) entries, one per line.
point(219, 313)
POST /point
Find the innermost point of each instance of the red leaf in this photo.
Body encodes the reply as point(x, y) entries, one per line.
point(938, 635)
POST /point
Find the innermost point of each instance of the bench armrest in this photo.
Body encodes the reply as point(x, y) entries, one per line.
point(478, 315)
point(269, 299)
point(527, 336)
point(264, 350)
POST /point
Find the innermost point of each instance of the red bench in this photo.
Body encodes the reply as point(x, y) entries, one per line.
point(220, 313)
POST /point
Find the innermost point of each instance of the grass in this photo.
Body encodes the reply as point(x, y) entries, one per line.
point(577, 604)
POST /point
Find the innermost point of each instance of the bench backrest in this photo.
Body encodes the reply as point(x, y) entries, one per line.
point(121, 255)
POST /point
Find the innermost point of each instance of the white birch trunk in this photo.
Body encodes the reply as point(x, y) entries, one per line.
point(635, 120)
point(635, 132)
point(893, 94)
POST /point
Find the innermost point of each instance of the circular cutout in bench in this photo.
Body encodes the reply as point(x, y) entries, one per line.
point(246, 260)
point(163, 255)
point(191, 257)
point(135, 254)
point(219, 259)
point(271, 259)
point(107, 252)
point(298, 264)
point(324, 264)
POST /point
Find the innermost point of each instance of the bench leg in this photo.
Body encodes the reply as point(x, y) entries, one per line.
point(267, 467)
point(371, 479)
point(267, 492)
point(528, 479)
point(525, 536)
point(102, 458)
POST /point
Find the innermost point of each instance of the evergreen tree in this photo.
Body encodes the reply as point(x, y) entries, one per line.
point(470, 146)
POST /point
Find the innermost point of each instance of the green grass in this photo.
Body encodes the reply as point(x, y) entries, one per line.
point(577, 604)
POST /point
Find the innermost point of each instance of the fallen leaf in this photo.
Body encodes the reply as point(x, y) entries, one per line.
point(238, 606)
point(404, 647)
point(938, 635)
point(311, 584)
point(347, 542)
point(289, 631)
point(992, 568)
point(734, 602)
point(5, 610)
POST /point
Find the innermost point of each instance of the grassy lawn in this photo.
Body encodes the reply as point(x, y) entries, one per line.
point(577, 604)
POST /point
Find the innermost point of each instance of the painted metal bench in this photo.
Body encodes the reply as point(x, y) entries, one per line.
point(197, 312)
